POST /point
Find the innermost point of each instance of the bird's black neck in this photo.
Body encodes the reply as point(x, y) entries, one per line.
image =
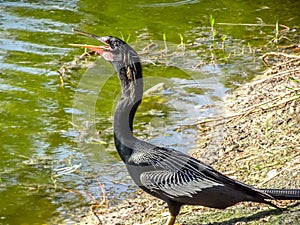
point(130, 76)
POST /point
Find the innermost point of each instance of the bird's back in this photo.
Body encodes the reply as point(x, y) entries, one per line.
point(174, 176)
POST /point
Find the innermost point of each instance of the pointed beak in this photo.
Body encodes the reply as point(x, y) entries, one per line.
point(99, 49)
point(99, 38)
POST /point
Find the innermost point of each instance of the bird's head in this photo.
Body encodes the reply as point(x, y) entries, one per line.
point(124, 59)
point(114, 50)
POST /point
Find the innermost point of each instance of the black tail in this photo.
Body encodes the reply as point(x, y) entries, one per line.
point(283, 194)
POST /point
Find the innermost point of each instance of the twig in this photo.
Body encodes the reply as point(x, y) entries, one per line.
point(278, 54)
point(284, 73)
point(103, 201)
point(66, 170)
point(282, 170)
point(285, 101)
point(247, 24)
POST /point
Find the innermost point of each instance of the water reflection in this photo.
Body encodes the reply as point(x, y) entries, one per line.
point(33, 24)
point(42, 5)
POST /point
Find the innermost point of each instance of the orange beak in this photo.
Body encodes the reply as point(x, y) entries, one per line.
point(99, 49)
point(105, 50)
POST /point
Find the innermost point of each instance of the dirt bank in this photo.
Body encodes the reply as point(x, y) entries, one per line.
point(256, 141)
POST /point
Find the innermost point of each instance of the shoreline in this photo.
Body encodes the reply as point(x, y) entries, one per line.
point(260, 146)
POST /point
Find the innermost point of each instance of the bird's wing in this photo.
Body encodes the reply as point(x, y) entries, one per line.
point(177, 174)
point(175, 184)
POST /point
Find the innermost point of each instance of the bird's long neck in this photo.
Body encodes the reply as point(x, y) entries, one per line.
point(132, 91)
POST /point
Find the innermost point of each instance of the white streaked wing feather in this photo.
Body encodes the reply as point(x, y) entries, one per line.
point(166, 182)
point(176, 174)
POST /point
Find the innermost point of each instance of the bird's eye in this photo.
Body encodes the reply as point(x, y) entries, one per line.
point(106, 41)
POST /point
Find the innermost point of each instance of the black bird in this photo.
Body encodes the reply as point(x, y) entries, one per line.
point(170, 175)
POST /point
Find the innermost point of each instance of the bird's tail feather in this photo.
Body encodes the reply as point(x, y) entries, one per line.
point(283, 194)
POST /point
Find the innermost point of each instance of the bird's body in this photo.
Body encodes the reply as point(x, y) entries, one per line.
point(180, 180)
point(165, 173)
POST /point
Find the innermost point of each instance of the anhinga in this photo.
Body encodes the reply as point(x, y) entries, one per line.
point(170, 175)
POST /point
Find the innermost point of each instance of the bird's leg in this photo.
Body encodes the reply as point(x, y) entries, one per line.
point(171, 220)
point(174, 209)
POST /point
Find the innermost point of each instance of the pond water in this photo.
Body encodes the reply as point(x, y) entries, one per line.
point(56, 142)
